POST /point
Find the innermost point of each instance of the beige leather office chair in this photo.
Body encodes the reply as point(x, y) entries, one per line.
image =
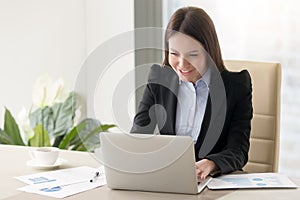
point(264, 140)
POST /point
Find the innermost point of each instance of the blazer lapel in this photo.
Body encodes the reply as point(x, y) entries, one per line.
point(214, 117)
point(204, 126)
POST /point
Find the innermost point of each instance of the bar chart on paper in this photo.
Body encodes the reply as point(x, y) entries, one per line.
point(64, 182)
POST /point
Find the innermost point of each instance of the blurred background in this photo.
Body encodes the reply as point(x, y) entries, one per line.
point(56, 36)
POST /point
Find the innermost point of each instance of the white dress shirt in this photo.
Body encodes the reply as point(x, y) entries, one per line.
point(191, 106)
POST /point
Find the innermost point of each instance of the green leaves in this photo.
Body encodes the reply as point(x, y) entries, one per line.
point(70, 138)
point(84, 136)
point(105, 127)
point(43, 116)
point(40, 138)
point(63, 115)
point(5, 138)
point(53, 126)
point(58, 119)
point(11, 133)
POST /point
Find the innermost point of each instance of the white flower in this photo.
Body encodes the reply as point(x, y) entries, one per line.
point(46, 91)
point(24, 122)
point(60, 93)
point(39, 90)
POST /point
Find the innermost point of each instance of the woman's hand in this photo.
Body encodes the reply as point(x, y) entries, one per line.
point(204, 168)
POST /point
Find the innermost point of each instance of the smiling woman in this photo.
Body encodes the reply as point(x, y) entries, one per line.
point(187, 58)
point(192, 63)
point(272, 34)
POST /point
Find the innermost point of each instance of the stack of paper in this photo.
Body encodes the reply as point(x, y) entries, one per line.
point(65, 182)
point(255, 180)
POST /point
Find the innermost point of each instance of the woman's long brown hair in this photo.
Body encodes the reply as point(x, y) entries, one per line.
point(196, 23)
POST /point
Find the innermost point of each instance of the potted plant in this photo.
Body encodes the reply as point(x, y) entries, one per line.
point(52, 121)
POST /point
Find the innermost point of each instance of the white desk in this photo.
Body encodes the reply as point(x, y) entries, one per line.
point(13, 163)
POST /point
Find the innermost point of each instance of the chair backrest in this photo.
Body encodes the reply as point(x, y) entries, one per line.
point(264, 139)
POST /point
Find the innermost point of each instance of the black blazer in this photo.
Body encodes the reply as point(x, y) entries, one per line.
point(230, 149)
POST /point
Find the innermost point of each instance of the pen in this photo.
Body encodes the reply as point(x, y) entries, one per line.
point(59, 187)
point(95, 177)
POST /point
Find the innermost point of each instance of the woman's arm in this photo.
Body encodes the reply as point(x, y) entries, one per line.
point(234, 154)
point(144, 120)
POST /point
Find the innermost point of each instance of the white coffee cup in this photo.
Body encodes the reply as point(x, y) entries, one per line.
point(45, 155)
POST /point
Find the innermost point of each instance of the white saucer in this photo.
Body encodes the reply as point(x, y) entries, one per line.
point(35, 164)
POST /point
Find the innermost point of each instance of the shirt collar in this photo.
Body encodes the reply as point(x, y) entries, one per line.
point(205, 78)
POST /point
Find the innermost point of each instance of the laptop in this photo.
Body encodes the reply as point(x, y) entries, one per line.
point(156, 163)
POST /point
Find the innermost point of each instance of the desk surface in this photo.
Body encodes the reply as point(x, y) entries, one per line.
point(13, 163)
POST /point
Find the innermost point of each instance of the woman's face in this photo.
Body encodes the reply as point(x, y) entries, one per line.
point(186, 57)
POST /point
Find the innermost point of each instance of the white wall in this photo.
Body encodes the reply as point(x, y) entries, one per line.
point(38, 37)
point(54, 37)
point(105, 20)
